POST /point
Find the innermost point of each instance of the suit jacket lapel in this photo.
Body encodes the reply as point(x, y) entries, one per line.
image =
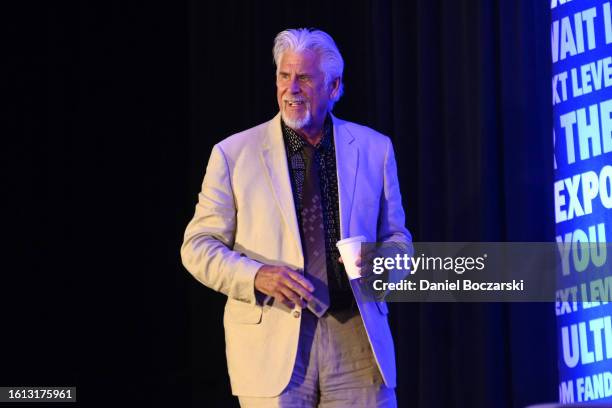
point(347, 160)
point(274, 158)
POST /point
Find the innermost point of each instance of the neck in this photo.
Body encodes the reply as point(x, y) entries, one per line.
point(312, 136)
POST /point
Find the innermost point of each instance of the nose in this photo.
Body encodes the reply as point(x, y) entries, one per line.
point(294, 86)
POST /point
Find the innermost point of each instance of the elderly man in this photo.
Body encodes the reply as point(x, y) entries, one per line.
point(275, 200)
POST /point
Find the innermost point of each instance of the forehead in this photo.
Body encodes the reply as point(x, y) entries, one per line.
point(305, 61)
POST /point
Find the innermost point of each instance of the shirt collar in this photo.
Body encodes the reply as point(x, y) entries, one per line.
point(295, 142)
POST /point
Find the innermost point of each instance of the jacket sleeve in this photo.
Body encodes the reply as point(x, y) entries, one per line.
point(209, 238)
point(391, 221)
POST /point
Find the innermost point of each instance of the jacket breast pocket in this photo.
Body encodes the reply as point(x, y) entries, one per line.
point(242, 313)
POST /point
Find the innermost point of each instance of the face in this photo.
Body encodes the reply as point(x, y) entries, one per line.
point(303, 98)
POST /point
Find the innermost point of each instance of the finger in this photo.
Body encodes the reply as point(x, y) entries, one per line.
point(358, 262)
point(292, 296)
point(340, 260)
point(299, 278)
point(298, 289)
point(281, 298)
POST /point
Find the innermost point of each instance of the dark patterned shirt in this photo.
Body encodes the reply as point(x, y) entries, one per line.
point(325, 154)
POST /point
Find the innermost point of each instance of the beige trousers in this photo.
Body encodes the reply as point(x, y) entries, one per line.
point(334, 368)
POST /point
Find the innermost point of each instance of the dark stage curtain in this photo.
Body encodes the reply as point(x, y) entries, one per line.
point(118, 106)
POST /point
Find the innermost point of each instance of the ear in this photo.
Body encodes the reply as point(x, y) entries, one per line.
point(335, 87)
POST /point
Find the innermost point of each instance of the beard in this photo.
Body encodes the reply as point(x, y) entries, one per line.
point(299, 123)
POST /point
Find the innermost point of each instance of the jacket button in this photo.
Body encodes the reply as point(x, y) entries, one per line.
point(296, 314)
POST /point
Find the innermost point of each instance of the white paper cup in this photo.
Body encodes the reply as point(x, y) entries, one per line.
point(350, 250)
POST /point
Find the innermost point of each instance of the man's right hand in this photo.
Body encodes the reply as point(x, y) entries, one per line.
point(284, 284)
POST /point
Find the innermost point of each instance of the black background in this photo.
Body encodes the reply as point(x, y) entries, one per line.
point(113, 110)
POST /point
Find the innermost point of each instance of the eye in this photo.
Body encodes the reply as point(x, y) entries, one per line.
point(283, 76)
point(304, 78)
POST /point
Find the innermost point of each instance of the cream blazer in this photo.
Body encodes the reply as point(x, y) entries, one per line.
point(245, 217)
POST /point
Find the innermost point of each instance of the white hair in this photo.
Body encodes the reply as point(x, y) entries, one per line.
point(300, 39)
